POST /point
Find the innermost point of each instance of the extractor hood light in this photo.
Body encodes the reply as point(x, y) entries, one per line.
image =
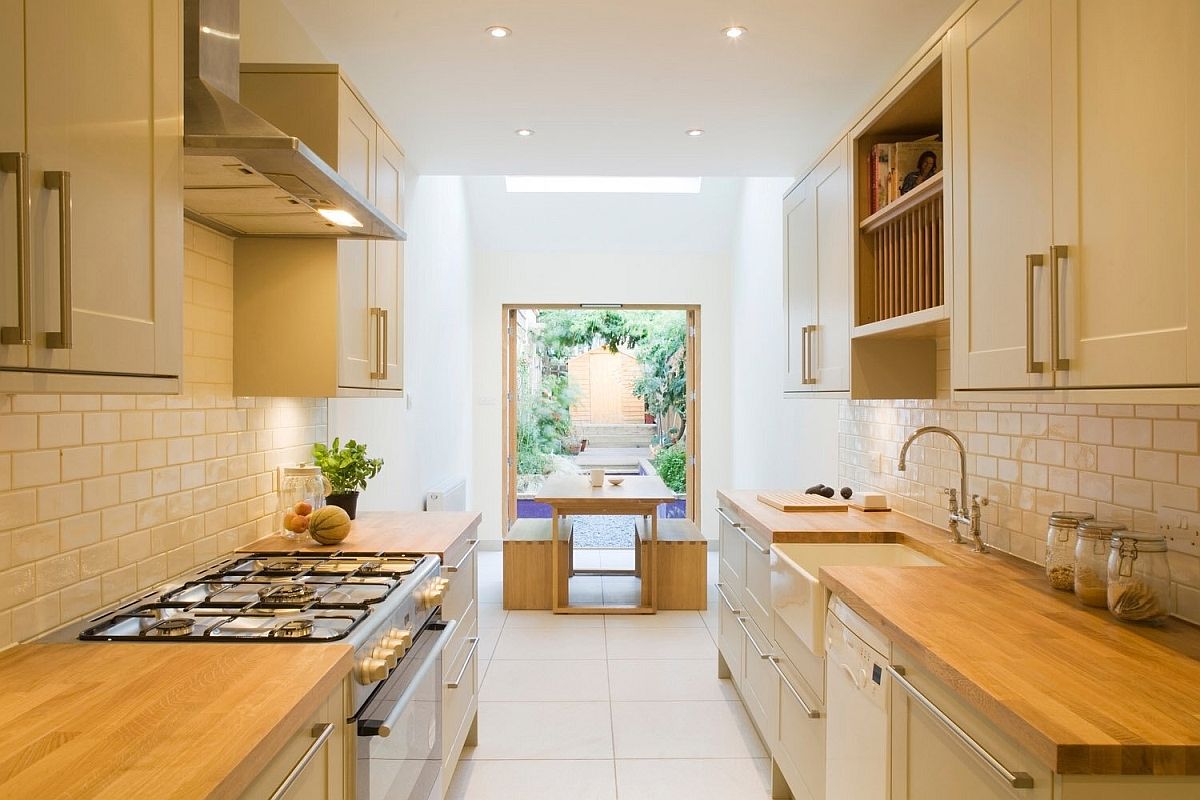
point(339, 217)
point(735, 31)
point(499, 32)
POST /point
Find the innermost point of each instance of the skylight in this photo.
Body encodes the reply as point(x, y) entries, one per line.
point(601, 184)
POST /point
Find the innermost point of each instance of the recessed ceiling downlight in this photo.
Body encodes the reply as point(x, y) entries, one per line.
point(695, 132)
point(736, 31)
point(499, 32)
point(523, 132)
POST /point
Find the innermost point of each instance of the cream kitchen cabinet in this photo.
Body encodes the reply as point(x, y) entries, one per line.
point(92, 227)
point(460, 662)
point(1076, 195)
point(817, 227)
point(322, 318)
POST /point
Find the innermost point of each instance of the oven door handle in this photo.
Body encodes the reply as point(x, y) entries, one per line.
point(385, 728)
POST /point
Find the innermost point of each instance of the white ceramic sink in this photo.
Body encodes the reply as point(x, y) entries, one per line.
point(799, 598)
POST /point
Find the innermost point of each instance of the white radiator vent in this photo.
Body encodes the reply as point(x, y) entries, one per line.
point(450, 495)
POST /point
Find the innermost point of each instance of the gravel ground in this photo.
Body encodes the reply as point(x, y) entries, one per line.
point(603, 532)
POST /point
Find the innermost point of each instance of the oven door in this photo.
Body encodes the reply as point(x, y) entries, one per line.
point(400, 726)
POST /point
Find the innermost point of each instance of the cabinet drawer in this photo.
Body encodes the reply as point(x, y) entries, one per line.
point(460, 569)
point(760, 682)
point(321, 777)
point(757, 592)
point(732, 556)
point(460, 673)
point(800, 747)
point(730, 638)
point(809, 666)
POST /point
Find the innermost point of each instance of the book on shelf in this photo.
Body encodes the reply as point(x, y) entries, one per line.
point(899, 167)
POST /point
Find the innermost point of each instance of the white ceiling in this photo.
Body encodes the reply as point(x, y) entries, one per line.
point(610, 87)
point(602, 222)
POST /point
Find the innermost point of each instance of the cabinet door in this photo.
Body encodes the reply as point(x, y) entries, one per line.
point(389, 262)
point(1002, 193)
point(1127, 191)
point(732, 566)
point(756, 595)
point(104, 105)
point(12, 140)
point(799, 282)
point(831, 340)
point(760, 682)
point(359, 328)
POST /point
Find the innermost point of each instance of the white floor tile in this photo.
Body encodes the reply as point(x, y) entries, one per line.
point(585, 589)
point(663, 680)
point(548, 619)
point(533, 780)
point(540, 681)
point(694, 779)
point(487, 642)
point(684, 730)
point(542, 731)
point(491, 591)
point(663, 619)
point(492, 615)
point(552, 644)
point(643, 643)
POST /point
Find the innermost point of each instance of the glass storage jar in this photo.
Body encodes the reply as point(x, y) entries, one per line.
point(1139, 577)
point(302, 490)
point(1060, 548)
point(1092, 541)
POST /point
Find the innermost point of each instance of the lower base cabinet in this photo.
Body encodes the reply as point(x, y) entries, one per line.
point(460, 662)
point(313, 763)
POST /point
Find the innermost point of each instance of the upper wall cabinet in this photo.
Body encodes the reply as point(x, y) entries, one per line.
point(322, 318)
point(817, 257)
point(91, 220)
point(1076, 173)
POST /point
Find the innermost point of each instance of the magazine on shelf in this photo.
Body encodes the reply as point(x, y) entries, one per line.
point(899, 167)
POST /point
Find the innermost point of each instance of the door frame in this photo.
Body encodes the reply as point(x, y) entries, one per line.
point(508, 338)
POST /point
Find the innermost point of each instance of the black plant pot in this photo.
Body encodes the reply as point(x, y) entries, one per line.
point(347, 501)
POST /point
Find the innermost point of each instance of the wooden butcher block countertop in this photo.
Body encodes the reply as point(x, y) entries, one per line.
point(384, 531)
point(1083, 692)
point(132, 721)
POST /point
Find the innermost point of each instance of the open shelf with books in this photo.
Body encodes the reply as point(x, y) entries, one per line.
point(899, 262)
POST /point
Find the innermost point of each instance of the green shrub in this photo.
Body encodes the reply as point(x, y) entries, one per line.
point(671, 466)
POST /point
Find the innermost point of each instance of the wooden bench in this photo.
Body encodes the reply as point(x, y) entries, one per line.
point(681, 562)
point(528, 570)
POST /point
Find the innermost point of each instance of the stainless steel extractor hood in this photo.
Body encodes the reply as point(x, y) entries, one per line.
point(242, 175)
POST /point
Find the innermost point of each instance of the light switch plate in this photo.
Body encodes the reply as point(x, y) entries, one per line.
point(1182, 529)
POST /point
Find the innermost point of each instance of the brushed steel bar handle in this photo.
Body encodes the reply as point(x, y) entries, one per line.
point(410, 691)
point(463, 560)
point(1016, 780)
point(741, 621)
point(60, 181)
point(320, 733)
point(740, 528)
point(383, 359)
point(454, 684)
point(1058, 254)
point(723, 514)
point(810, 370)
point(22, 332)
point(376, 316)
point(809, 711)
point(1032, 262)
point(725, 598)
point(804, 356)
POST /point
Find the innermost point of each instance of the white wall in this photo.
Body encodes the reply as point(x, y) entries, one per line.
point(533, 278)
point(777, 443)
point(271, 34)
point(424, 438)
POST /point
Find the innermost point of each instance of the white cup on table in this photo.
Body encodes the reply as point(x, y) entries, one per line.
point(597, 477)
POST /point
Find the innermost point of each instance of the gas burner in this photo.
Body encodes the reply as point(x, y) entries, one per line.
point(175, 626)
point(286, 594)
point(282, 566)
point(371, 568)
point(292, 629)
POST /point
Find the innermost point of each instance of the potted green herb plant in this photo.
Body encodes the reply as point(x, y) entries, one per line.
point(348, 470)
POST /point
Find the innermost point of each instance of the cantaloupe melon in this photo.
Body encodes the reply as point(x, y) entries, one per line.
point(329, 525)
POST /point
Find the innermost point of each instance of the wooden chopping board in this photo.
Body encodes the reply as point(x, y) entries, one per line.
point(799, 501)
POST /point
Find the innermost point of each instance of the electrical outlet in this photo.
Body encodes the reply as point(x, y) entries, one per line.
point(1182, 529)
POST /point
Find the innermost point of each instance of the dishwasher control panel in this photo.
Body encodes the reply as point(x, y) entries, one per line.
point(855, 659)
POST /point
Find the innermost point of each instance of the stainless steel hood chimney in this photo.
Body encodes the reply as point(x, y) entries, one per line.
point(242, 175)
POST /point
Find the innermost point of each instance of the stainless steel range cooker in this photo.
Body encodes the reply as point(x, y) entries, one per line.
point(385, 605)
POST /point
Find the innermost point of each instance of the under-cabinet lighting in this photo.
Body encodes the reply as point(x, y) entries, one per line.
point(601, 184)
point(339, 217)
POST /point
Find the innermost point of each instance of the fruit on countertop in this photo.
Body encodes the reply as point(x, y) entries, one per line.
point(329, 525)
point(296, 523)
point(847, 492)
point(303, 508)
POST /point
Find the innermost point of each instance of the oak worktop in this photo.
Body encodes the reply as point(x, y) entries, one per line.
point(1083, 692)
point(130, 721)
point(384, 531)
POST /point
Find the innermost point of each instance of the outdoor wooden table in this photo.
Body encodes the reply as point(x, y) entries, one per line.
point(638, 495)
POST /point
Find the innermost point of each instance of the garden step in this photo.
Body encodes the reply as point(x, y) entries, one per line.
point(616, 435)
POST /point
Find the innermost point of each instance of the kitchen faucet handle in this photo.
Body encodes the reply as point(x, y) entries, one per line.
point(953, 498)
point(976, 500)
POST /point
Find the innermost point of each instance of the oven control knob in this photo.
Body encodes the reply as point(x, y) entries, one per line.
point(435, 592)
point(397, 647)
point(386, 654)
point(372, 669)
